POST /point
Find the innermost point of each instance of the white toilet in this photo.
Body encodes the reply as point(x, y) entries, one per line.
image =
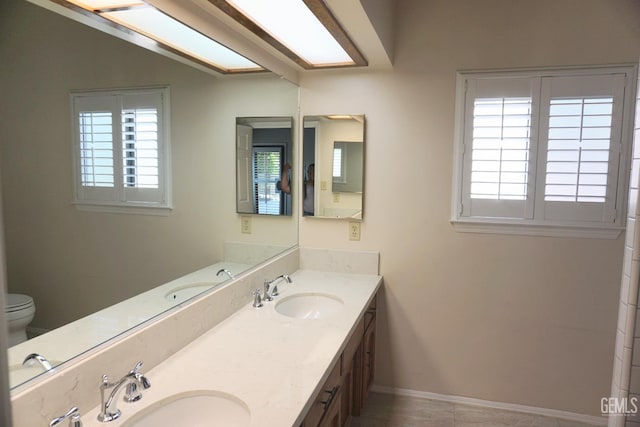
point(20, 310)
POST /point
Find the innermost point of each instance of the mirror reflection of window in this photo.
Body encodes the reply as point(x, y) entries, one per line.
point(264, 148)
point(267, 164)
point(338, 164)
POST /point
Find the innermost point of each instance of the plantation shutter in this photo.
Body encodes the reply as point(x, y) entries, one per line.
point(96, 143)
point(141, 147)
point(120, 147)
point(580, 146)
point(267, 164)
point(499, 139)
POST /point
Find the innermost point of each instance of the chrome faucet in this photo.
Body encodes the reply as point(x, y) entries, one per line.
point(133, 380)
point(73, 415)
point(274, 292)
point(31, 359)
point(225, 271)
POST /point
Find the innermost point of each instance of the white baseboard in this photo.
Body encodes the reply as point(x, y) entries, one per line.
point(587, 419)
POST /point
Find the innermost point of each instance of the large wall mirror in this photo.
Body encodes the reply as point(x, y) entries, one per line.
point(264, 147)
point(333, 166)
point(94, 274)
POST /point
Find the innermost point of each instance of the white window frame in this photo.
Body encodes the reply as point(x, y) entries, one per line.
point(532, 220)
point(121, 198)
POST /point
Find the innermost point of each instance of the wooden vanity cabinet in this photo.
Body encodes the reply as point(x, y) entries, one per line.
point(368, 352)
point(358, 365)
point(345, 391)
point(368, 361)
point(351, 378)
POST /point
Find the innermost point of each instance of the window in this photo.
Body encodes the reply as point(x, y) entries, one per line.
point(543, 152)
point(339, 162)
point(267, 165)
point(121, 148)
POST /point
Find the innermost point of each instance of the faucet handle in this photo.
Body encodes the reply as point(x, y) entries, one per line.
point(132, 394)
point(141, 380)
point(136, 368)
point(267, 286)
point(73, 415)
point(257, 300)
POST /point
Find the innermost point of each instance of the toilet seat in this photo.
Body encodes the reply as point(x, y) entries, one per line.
point(19, 311)
point(18, 302)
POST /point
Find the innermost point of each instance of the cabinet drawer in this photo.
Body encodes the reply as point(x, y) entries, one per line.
point(328, 393)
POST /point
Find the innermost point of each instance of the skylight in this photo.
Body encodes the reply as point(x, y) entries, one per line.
point(160, 27)
point(304, 30)
point(150, 22)
point(294, 25)
point(105, 4)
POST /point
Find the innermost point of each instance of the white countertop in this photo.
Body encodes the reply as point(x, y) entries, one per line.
point(273, 363)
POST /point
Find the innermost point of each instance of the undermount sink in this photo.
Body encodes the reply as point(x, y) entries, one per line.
point(309, 306)
point(194, 409)
point(184, 292)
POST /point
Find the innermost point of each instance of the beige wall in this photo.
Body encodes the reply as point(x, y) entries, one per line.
point(75, 262)
point(526, 320)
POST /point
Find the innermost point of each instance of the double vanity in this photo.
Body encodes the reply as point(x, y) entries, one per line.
point(303, 359)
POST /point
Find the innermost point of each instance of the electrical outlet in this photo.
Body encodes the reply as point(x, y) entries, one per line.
point(245, 224)
point(336, 197)
point(323, 185)
point(354, 231)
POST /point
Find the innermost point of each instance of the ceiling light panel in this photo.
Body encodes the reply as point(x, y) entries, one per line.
point(105, 4)
point(170, 32)
point(296, 27)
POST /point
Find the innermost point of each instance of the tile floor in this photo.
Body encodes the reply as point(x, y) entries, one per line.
point(387, 410)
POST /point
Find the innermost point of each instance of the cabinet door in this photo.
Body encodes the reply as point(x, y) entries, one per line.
point(332, 416)
point(369, 360)
point(348, 385)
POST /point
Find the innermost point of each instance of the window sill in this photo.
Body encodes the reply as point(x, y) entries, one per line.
point(135, 209)
point(544, 230)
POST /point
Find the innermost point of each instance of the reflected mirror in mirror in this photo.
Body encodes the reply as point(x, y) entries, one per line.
point(263, 165)
point(93, 274)
point(347, 167)
point(333, 166)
